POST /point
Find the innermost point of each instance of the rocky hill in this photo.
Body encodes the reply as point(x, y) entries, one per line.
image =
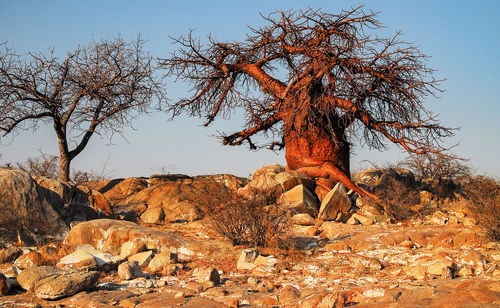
point(156, 242)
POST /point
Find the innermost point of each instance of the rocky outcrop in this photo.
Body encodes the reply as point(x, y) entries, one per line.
point(48, 282)
point(25, 209)
point(72, 202)
point(108, 235)
point(169, 198)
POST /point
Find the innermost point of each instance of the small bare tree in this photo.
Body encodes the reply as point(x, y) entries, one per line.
point(43, 165)
point(436, 167)
point(315, 81)
point(94, 89)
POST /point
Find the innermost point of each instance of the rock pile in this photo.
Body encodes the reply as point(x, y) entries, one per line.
point(342, 251)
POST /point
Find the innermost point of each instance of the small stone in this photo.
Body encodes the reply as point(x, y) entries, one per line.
point(452, 220)
point(28, 260)
point(142, 258)
point(406, 243)
point(265, 286)
point(439, 218)
point(78, 259)
point(364, 220)
point(299, 200)
point(129, 270)
point(180, 294)
point(246, 259)
point(263, 270)
point(161, 260)
point(496, 274)
point(416, 272)
point(267, 261)
point(104, 259)
point(252, 281)
point(466, 271)
point(130, 248)
point(208, 285)
point(437, 268)
point(207, 274)
point(469, 222)
point(303, 219)
point(288, 295)
point(267, 301)
point(170, 269)
point(234, 303)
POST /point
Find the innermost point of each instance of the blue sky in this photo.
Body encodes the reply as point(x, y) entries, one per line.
point(463, 38)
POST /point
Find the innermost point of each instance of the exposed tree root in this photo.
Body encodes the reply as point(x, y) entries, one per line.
point(330, 171)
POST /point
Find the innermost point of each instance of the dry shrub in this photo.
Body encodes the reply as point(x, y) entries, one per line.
point(255, 221)
point(436, 167)
point(483, 195)
point(45, 165)
point(399, 199)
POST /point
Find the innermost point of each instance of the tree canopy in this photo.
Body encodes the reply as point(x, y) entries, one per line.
point(95, 89)
point(315, 82)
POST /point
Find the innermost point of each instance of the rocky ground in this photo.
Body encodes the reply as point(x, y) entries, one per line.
point(147, 243)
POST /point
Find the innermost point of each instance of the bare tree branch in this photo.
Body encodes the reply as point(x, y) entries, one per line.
point(97, 88)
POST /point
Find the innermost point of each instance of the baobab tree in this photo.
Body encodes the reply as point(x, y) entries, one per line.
point(95, 89)
point(313, 82)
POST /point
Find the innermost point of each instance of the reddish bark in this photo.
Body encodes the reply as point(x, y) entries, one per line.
point(341, 80)
point(321, 156)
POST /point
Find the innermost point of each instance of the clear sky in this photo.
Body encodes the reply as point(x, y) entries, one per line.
point(463, 38)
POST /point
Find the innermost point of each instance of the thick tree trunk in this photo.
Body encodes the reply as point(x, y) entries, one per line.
point(321, 154)
point(311, 150)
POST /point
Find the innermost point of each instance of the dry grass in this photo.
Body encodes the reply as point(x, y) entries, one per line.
point(255, 222)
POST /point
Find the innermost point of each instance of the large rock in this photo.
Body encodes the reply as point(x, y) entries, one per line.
point(72, 202)
point(274, 179)
point(50, 282)
point(23, 207)
point(119, 189)
point(108, 235)
point(29, 278)
point(180, 198)
point(299, 200)
point(247, 258)
point(55, 287)
point(78, 259)
point(336, 202)
point(162, 260)
point(9, 254)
